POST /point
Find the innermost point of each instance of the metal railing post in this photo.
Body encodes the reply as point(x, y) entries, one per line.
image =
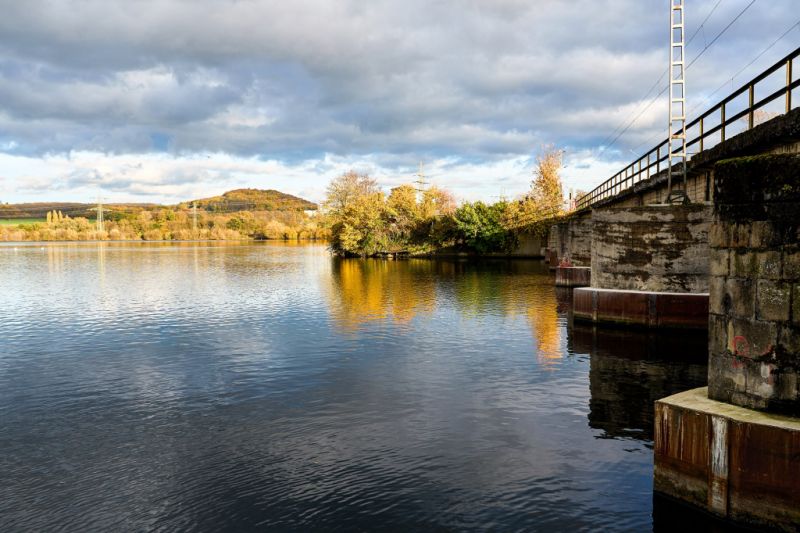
point(751, 103)
point(722, 123)
point(788, 85)
point(658, 160)
point(701, 134)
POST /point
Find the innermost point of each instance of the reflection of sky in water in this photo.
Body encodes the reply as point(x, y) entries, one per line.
point(221, 386)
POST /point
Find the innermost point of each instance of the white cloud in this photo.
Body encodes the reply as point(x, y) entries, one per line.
point(83, 176)
point(312, 82)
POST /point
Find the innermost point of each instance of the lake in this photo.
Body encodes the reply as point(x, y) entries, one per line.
point(270, 386)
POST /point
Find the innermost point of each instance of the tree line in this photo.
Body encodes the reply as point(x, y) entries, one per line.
point(169, 224)
point(363, 221)
point(357, 218)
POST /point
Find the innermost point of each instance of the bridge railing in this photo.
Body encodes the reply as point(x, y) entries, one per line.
point(657, 158)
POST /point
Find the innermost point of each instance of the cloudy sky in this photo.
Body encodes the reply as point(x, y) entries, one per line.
point(164, 100)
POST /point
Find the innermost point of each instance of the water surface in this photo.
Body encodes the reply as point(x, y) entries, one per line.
point(237, 387)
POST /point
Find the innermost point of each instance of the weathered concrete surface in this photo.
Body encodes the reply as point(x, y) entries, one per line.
point(573, 276)
point(641, 308)
point(754, 322)
point(652, 248)
point(571, 240)
point(735, 462)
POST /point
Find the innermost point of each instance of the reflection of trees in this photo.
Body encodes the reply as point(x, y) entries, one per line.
point(364, 290)
point(543, 317)
point(514, 288)
point(374, 289)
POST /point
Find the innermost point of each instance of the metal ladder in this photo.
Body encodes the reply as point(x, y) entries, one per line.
point(676, 144)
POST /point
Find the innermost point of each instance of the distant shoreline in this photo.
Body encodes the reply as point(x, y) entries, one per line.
point(162, 241)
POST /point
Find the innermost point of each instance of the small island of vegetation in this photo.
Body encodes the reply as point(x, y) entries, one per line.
point(363, 221)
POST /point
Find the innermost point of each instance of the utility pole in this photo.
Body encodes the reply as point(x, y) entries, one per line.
point(194, 217)
point(420, 182)
point(99, 213)
point(676, 142)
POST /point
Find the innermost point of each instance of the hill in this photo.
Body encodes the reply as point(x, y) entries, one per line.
point(253, 200)
point(231, 201)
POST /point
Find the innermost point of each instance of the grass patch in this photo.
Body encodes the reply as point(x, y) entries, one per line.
point(20, 221)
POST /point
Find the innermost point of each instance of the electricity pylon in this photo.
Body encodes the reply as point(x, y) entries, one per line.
point(99, 213)
point(420, 182)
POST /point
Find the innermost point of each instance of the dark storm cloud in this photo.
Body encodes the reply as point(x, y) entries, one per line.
point(296, 80)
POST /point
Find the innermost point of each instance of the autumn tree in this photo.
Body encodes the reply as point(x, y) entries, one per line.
point(544, 201)
point(356, 214)
point(403, 212)
point(363, 221)
point(546, 187)
point(344, 191)
point(437, 202)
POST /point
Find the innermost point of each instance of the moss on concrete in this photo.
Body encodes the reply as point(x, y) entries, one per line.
point(761, 187)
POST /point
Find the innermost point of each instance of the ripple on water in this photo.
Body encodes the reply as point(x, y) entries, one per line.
point(214, 387)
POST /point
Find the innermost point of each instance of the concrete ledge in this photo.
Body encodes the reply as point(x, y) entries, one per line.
point(573, 276)
point(737, 463)
point(641, 308)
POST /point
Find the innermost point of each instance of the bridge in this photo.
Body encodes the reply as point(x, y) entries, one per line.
point(727, 260)
point(623, 240)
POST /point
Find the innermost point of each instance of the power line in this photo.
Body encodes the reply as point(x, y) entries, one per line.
point(655, 98)
point(702, 24)
point(752, 61)
point(764, 51)
point(709, 45)
point(605, 146)
point(658, 81)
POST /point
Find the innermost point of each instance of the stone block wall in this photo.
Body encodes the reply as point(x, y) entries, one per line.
point(754, 302)
point(651, 248)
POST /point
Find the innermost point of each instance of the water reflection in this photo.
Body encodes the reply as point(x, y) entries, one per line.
point(564, 301)
point(372, 289)
point(219, 386)
point(364, 291)
point(630, 370)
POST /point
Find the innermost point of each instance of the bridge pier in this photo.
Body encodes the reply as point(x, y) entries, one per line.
point(570, 241)
point(649, 267)
point(733, 448)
